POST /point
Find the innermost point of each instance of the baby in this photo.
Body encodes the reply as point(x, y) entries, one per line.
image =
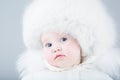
point(61, 50)
point(68, 40)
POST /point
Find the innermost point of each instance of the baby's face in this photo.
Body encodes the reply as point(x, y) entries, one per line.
point(61, 50)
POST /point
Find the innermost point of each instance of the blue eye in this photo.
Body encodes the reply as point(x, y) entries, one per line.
point(48, 45)
point(63, 39)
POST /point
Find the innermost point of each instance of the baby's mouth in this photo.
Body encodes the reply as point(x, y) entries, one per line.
point(59, 56)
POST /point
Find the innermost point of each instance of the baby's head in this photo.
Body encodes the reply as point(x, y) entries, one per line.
point(60, 49)
point(84, 23)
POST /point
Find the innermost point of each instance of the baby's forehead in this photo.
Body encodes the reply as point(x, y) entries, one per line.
point(48, 35)
point(52, 33)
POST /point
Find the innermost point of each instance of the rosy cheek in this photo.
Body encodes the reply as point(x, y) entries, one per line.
point(49, 57)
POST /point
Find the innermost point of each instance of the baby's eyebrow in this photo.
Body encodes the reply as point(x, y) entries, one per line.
point(63, 34)
point(66, 35)
point(44, 40)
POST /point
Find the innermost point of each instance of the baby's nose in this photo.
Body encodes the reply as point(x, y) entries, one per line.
point(56, 49)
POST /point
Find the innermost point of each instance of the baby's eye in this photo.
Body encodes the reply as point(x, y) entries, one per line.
point(48, 45)
point(63, 39)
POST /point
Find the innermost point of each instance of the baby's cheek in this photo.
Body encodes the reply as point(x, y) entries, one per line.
point(49, 58)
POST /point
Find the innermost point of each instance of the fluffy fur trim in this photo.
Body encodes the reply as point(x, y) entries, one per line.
point(31, 63)
point(87, 20)
point(109, 62)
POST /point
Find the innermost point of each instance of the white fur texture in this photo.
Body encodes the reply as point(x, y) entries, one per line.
point(86, 20)
point(103, 67)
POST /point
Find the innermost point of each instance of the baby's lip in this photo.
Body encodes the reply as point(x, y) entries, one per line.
point(59, 55)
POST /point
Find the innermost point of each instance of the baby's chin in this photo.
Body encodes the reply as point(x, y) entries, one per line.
point(64, 62)
point(64, 65)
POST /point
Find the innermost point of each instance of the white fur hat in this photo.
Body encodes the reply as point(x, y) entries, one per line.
point(86, 20)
